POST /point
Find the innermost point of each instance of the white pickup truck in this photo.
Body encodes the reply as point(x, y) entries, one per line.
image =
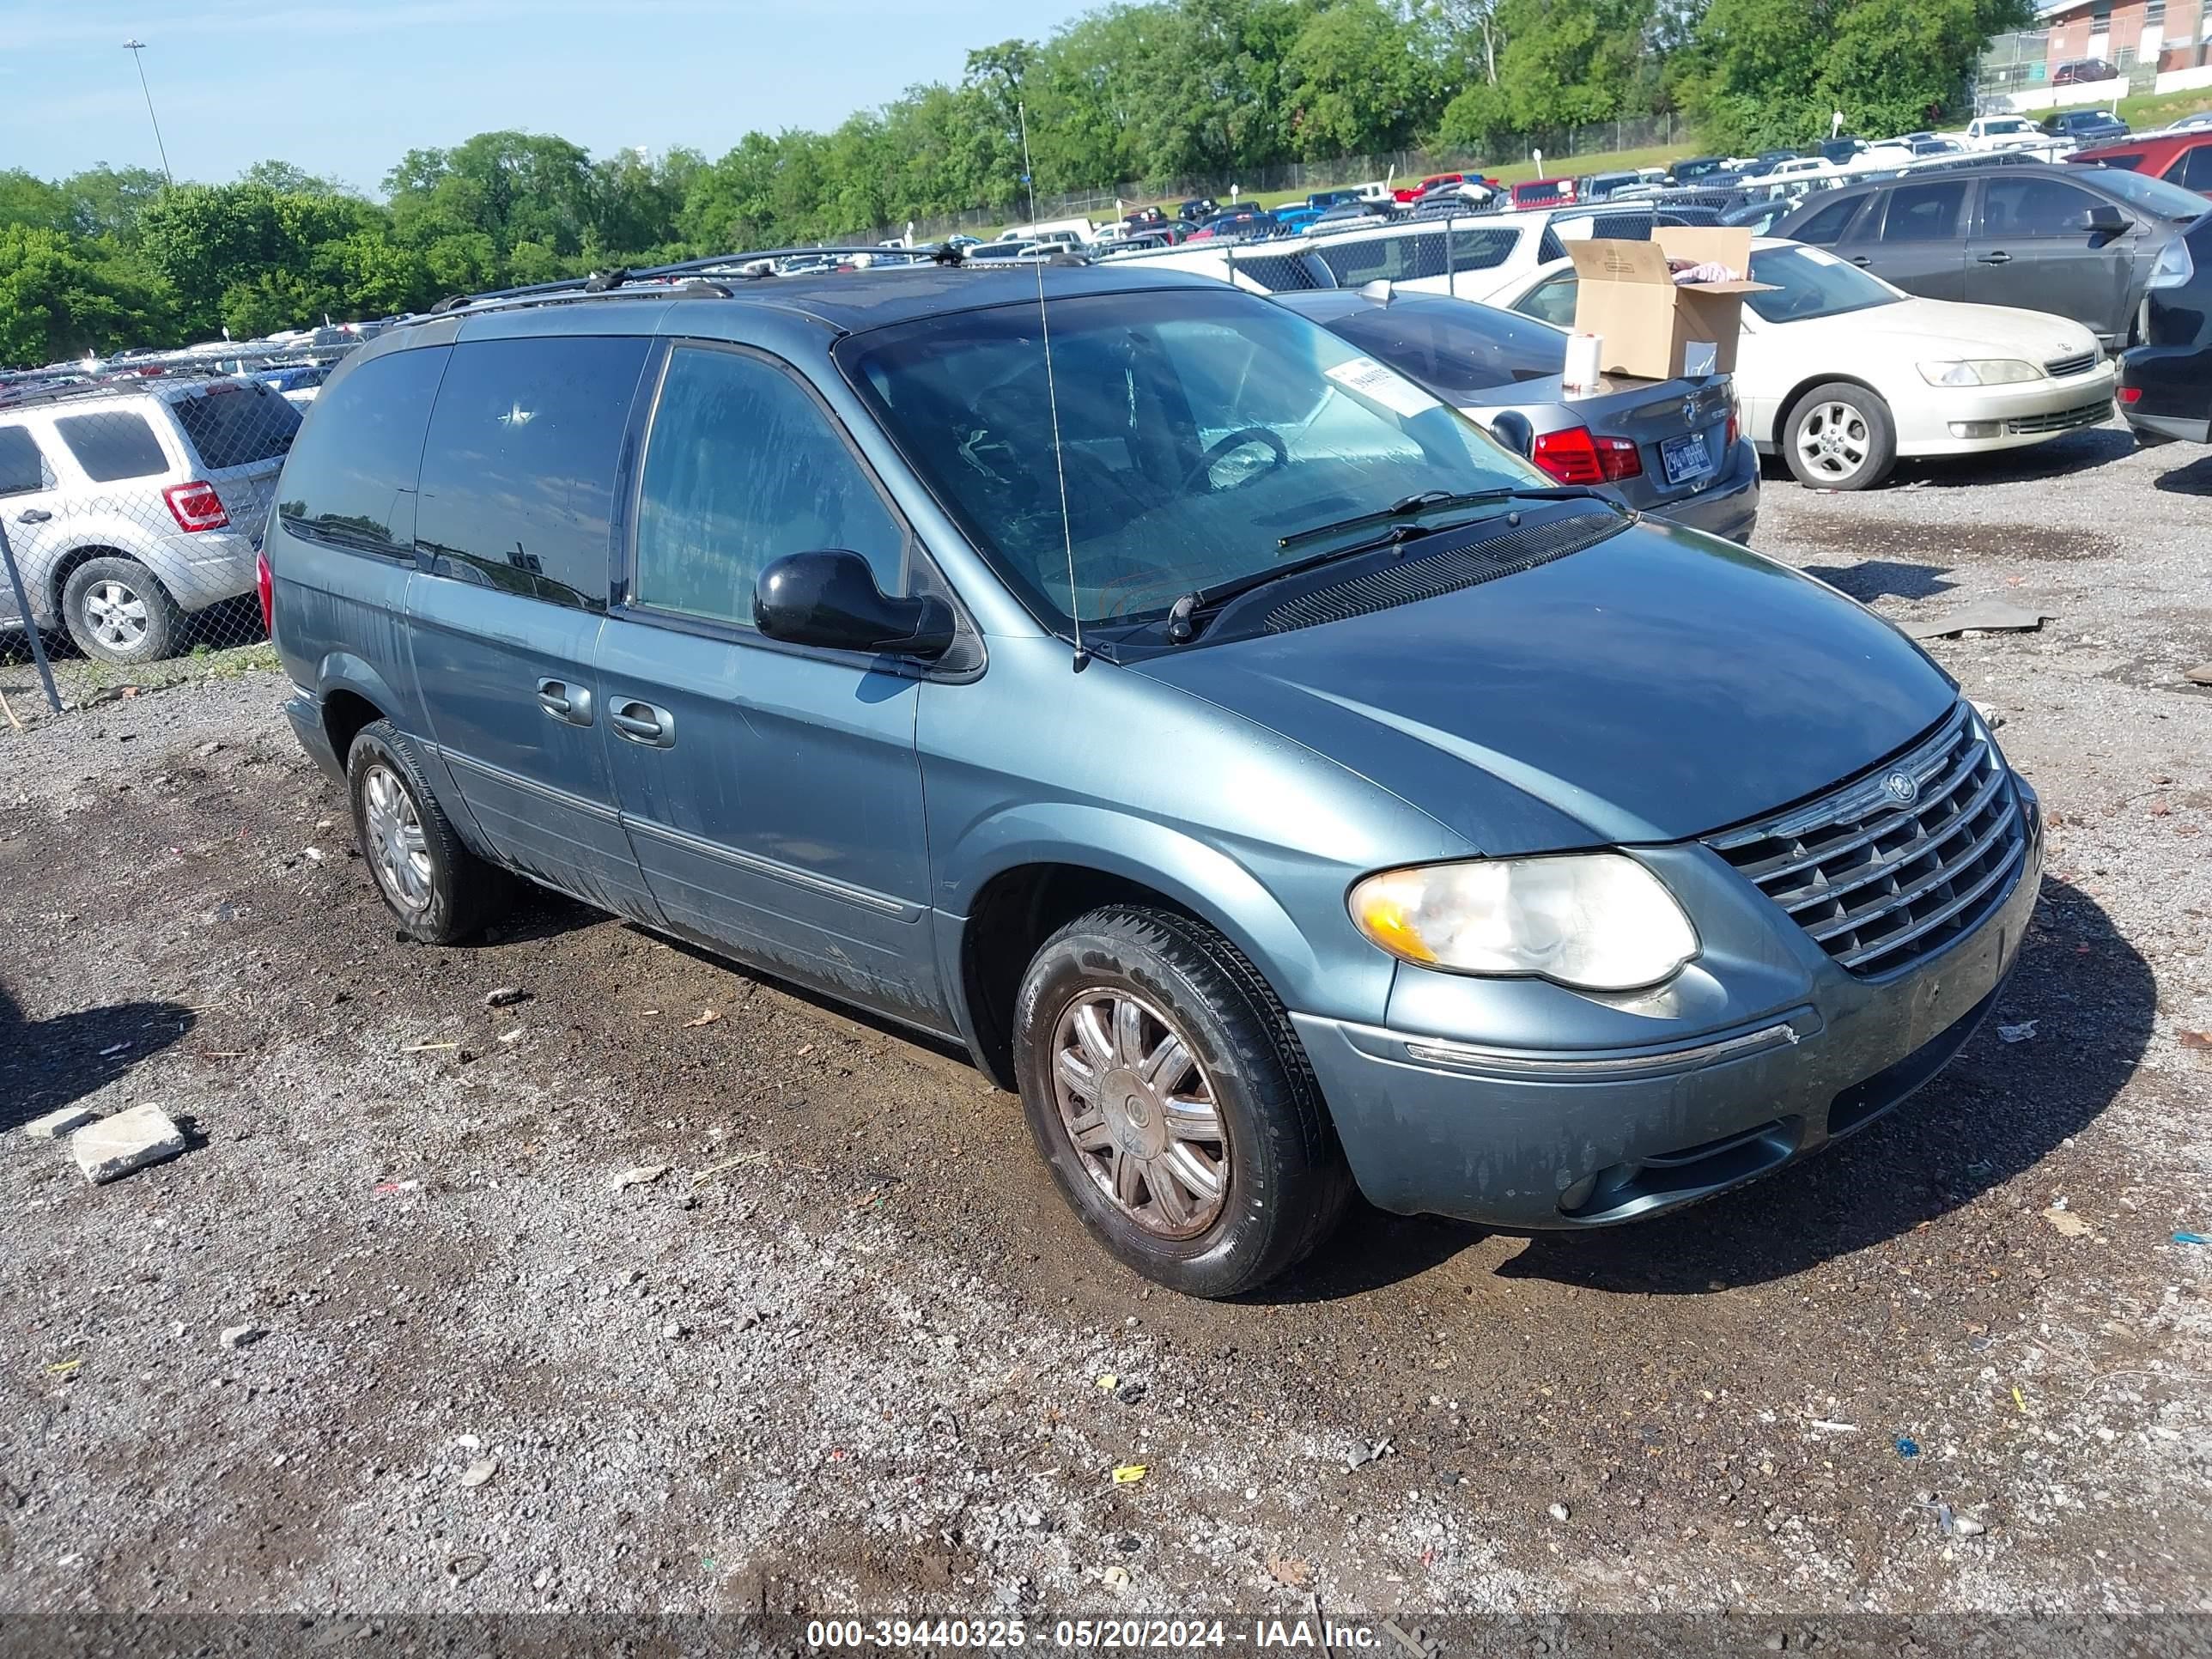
point(1994, 132)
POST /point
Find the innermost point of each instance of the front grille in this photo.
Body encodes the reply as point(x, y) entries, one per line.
point(2062, 420)
point(1879, 882)
point(2059, 368)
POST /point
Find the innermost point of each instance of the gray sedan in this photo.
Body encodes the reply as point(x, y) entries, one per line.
point(1672, 448)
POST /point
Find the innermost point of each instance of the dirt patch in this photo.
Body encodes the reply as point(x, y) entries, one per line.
point(1941, 546)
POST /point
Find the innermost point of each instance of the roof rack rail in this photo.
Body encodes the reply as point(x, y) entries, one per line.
point(664, 282)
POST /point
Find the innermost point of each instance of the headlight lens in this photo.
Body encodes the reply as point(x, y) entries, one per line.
point(1599, 921)
point(1980, 371)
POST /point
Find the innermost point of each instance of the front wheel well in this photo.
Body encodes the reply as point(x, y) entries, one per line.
point(66, 566)
point(1016, 912)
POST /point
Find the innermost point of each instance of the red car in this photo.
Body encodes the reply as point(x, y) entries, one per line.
point(2179, 158)
point(1407, 192)
point(1542, 193)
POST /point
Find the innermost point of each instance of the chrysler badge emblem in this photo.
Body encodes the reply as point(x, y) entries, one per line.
point(1900, 788)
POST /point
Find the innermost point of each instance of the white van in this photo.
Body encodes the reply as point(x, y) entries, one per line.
point(1066, 233)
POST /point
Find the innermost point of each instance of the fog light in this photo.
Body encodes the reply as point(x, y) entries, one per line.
point(1976, 429)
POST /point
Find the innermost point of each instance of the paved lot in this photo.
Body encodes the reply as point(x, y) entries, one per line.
point(849, 1351)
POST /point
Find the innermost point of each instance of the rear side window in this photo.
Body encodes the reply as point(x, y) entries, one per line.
point(1423, 254)
point(1829, 224)
point(2129, 162)
point(237, 423)
point(1552, 300)
point(1458, 351)
point(350, 479)
point(519, 469)
point(21, 467)
point(113, 444)
point(1923, 213)
point(2193, 171)
point(742, 467)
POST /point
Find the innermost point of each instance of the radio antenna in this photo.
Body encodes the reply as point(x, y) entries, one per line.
point(1052, 403)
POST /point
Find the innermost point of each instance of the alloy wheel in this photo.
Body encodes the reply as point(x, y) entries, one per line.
point(396, 842)
point(1834, 440)
point(1141, 1113)
point(115, 616)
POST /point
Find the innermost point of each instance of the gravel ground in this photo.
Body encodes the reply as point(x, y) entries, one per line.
point(851, 1351)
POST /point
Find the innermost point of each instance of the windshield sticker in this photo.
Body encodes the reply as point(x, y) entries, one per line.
point(1819, 255)
point(1386, 386)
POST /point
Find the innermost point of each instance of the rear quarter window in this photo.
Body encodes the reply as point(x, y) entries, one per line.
point(21, 467)
point(349, 479)
point(2193, 171)
point(519, 469)
point(113, 444)
point(236, 424)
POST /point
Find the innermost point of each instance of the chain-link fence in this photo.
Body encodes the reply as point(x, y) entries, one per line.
point(132, 497)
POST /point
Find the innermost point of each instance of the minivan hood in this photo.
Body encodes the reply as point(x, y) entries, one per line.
point(1655, 686)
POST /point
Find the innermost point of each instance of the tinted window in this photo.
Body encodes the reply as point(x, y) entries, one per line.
point(2128, 163)
point(1552, 301)
point(1923, 213)
point(2034, 207)
point(742, 467)
point(349, 480)
point(236, 424)
point(21, 467)
point(1829, 223)
point(1423, 254)
point(1457, 350)
point(113, 444)
point(2194, 170)
point(519, 468)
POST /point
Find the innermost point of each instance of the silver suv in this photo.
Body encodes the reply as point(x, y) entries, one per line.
point(129, 507)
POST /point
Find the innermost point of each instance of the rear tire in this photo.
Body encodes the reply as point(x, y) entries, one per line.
point(439, 891)
point(118, 611)
point(1173, 1103)
point(1840, 436)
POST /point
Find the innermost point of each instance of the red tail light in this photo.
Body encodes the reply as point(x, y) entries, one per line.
point(196, 506)
point(1577, 456)
point(264, 586)
point(2131, 394)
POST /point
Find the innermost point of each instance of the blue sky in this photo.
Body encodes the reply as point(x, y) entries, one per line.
point(344, 90)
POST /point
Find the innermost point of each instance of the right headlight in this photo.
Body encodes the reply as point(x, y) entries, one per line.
point(1980, 371)
point(1598, 922)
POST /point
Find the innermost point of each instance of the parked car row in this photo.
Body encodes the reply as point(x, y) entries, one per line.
point(1280, 786)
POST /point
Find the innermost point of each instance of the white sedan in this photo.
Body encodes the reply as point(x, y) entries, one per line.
point(1841, 374)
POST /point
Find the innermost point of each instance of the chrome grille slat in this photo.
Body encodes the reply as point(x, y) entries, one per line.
point(1878, 882)
point(2059, 368)
point(1796, 902)
point(1850, 922)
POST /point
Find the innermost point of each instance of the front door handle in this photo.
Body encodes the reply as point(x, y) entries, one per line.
point(32, 515)
point(1994, 258)
point(564, 701)
point(1861, 260)
point(643, 722)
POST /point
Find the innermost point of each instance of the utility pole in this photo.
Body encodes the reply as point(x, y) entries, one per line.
point(136, 47)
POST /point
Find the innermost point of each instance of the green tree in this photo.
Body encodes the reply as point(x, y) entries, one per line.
point(62, 297)
point(34, 203)
point(1354, 81)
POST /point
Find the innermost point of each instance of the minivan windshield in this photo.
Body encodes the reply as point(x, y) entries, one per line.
point(1198, 430)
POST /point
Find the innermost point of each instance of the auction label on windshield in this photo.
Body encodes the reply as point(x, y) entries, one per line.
point(1386, 386)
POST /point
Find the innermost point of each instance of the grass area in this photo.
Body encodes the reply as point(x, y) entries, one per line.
point(1518, 173)
point(83, 681)
point(2153, 110)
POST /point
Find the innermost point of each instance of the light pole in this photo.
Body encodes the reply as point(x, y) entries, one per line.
point(134, 47)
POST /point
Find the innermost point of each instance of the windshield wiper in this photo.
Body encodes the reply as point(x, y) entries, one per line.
point(1429, 500)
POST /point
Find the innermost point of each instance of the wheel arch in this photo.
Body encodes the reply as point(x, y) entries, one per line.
point(1788, 406)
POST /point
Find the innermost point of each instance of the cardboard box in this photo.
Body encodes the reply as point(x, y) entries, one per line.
point(1653, 327)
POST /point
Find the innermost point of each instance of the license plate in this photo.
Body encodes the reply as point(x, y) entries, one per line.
point(1686, 458)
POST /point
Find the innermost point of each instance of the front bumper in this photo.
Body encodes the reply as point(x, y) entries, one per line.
point(1977, 420)
point(1558, 1138)
point(1727, 507)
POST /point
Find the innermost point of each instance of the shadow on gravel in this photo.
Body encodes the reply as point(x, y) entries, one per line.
point(48, 1064)
point(2195, 479)
point(1996, 1110)
point(1883, 578)
point(2075, 452)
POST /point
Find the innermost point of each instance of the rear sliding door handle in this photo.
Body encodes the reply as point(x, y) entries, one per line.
point(32, 515)
point(643, 722)
point(564, 701)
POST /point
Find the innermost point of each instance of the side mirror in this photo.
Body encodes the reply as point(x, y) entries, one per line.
point(2103, 219)
point(1513, 430)
point(829, 599)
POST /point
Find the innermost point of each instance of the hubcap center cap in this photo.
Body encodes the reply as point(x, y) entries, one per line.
point(1133, 1113)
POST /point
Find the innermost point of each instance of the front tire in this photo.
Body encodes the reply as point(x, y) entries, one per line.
point(1840, 436)
point(118, 611)
point(1169, 1095)
point(439, 891)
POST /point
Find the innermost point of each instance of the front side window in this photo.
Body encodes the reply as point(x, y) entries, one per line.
point(1196, 430)
point(1552, 301)
point(22, 469)
point(1829, 224)
point(742, 467)
point(2194, 170)
point(113, 444)
point(519, 472)
point(2034, 207)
